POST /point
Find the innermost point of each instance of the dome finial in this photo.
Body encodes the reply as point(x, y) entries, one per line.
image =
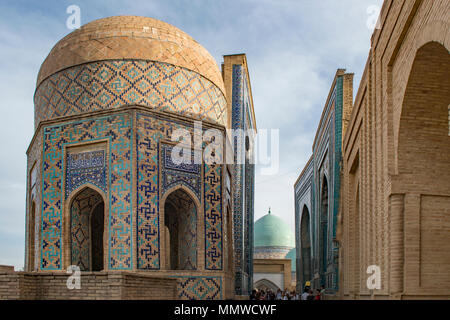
point(269, 210)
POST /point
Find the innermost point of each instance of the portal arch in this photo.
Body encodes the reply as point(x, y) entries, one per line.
point(265, 284)
point(305, 244)
point(424, 162)
point(86, 229)
point(180, 230)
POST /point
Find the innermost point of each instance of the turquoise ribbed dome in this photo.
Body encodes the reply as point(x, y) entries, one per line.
point(272, 231)
point(292, 255)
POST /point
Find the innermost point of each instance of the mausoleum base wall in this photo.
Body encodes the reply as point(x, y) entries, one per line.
point(94, 286)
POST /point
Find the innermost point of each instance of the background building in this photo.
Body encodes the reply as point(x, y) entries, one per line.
point(317, 192)
point(274, 256)
point(103, 191)
point(376, 191)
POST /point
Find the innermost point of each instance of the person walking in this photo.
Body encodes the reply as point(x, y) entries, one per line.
point(305, 294)
point(322, 292)
point(310, 295)
point(278, 296)
point(317, 295)
point(253, 295)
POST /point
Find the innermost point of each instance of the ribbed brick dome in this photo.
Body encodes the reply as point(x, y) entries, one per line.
point(128, 60)
point(131, 37)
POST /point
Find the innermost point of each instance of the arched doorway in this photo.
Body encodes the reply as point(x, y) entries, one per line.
point(87, 229)
point(265, 285)
point(424, 161)
point(97, 222)
point(323, 232)
point(180, 225)
point(305, 247)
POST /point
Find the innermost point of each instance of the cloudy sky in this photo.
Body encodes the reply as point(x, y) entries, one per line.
point(293, 49)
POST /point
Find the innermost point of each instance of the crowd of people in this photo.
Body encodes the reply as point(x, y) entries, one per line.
point(308, 294)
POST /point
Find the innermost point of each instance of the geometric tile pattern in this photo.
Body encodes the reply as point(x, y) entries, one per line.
point(249, 180)
point(213, 216)
point(200, 288)
point(80, 233)
point(243, 184)
point(249, 186)
point(117, 130)
point(34, 168)
point(238, 179)
point(113, 83)
point(148, 134)
point(85, 167)
point(249, 201)
point(150, 129)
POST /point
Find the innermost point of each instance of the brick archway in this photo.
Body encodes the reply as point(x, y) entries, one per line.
point(265, 284)
point(424, 164)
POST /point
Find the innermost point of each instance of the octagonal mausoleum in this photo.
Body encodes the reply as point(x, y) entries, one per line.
point(103, 191)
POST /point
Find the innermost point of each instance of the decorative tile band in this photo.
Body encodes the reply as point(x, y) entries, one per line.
point(185, 167)
point(213, 216)
point(85, 167)
point(200, 288)
point(238, 181)
point(148, 133)
point(183, 173)
point(113, 83)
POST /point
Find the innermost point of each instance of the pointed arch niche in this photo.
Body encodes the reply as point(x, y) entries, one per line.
point(180, 229)
point(86, 229)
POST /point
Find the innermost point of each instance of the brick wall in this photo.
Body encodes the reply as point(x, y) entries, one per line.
point(94, 285)
point(397, 137)
point(6, 268)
